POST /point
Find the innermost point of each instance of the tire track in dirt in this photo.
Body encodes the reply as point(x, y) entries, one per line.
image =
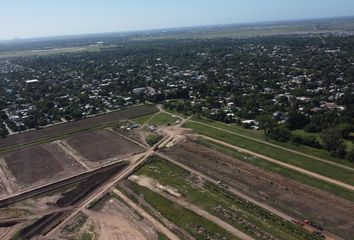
point(197, 210)
point(301, 170)
point(72, 153)
point(147, 216)
point(3, 177)
point(276, 146)
point(238, 193)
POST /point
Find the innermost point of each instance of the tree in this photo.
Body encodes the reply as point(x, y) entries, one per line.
point(267, 123)
point(312, 128)
point(3, 132)
point(350, 155)
point(281, 134)
point(333, 143)
point(297, 120)
point(344, 129)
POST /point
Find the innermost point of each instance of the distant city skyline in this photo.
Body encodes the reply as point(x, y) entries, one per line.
point(40, 18)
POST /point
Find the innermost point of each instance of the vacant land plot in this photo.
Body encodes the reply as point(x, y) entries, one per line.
point(298, 200)
point(187, 221)
point(101, 146)
point(247, 217)
point(112, 220)
point(286, 172)
point(142, 120)
point(2, 189)
point(322, 168)
point(259, 135)
point(163, 119)
point(78, 126)
point(39, 164)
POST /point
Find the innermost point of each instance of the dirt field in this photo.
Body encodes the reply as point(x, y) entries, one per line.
point(114, 220)
point(2, 189)
point(102, 146)
point(37, 165)
point(303, 202)
point(135, 134)
point(74, 126)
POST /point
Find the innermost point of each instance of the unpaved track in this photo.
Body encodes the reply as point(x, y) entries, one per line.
point(4, 179)
point(301, 170)
point(72, 153)
point(161, 228)
point(231, 229)
point(132, 167)
point(329, 236)
point(123, 174)
point(170, 136)
point(276, 146)
point(153, 116)
point(260, 141)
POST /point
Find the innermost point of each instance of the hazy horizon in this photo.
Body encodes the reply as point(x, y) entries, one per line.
point(39, 18)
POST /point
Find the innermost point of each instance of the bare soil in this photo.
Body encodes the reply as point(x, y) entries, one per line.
point(40, 164)
point(2, 189)
point(137, 135)
point(114, 220)
point(68, 127)
point(101, 146)
point(172, 194)
point(301, 201)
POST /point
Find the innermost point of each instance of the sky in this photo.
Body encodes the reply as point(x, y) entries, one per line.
point(38, 18)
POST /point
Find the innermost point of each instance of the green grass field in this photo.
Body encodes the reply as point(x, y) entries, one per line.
point(275, 168)
point(142, 120)
point(163, 119)
point(264, 222)
point(153, 139)
point(27, 53)
point(309, 164)
point(259, 135)
point(183, 218)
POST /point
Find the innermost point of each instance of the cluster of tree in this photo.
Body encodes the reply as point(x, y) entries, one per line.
point(3, 130)
point(332, 140)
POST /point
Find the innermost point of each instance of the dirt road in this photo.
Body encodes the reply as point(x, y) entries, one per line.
point(234, 191)
point(260, 141)
point(126, 172)
point(3, 177)
point(72, 153)
point(161, 228)
point(277, 146)
point(301, 170)
point(231, 229)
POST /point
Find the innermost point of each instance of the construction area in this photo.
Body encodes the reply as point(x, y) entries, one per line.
point(149, 177)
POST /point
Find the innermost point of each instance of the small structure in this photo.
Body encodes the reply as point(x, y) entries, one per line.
point(32, 81)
